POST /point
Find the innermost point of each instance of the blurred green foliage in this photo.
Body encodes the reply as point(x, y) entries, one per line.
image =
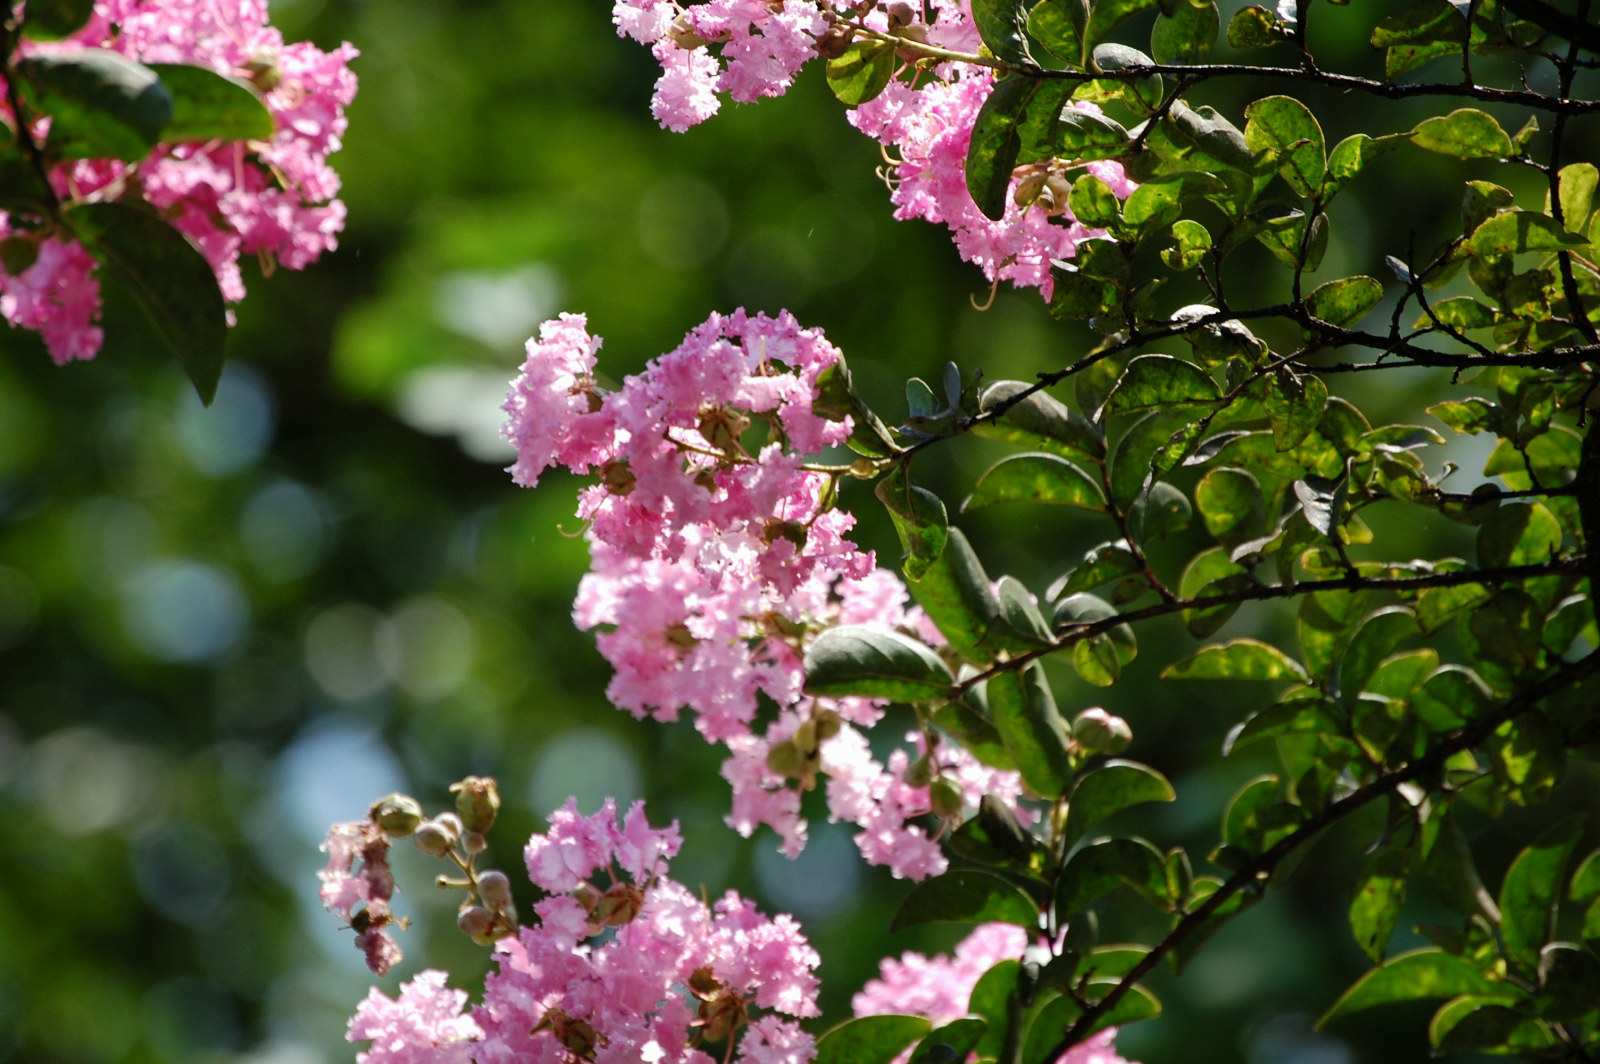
point(222, 629)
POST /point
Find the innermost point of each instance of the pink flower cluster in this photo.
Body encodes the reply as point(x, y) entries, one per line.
point(928, 128)
point(926, 122)
point(763, 45)
point(716, 557)
point(940, 988)
point(274, 199)
point(635, 968)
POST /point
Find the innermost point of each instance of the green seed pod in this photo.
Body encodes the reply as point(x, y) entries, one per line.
point(397, 815)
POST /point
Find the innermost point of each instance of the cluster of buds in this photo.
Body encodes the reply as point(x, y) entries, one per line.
point(800, 756)
point(1042, 185)
point(358, 872)
point(901, 20)
point(945, 799)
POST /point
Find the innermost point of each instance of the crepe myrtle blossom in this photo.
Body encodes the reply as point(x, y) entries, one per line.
point(275, 199)
point(621, 965)
point(940, 987)
point(717, 555)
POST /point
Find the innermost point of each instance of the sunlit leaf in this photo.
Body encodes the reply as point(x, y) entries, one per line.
point(870, 1039)
point(1036, 477)
point(965, 896)
point(1242, 659)
point(1114, 786)
point(1419, 974)
point(858, 659)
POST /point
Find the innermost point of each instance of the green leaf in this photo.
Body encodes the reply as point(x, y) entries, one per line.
point(1569, 977)
point(1154, 381)
point(1192, 240)
point(966, 896)
point(1031, 726)
point(956, 594)
point(1375, 910)
point(1515, 232)
point(1295, 404)
point(1530, 890)
point(1467, 133)
point(995, 837)
point(1036, 477)
point(1102, 866)
point(1460, 312)
point(1586, 880)
point(208, 106)
point(1577, 182)
point(1528, 757)
point(1083, 136)
point(1200, 138)
point(170, 282)
point(1376, 638)
point(1486, 1022)
point(952, 1042)
point(999, 24)
point(1109, 789)
point(1231, 505)
point(918, 516)
point(858, 659)
point(51, 20)
point(1420, 974)
point(1106, 15)
point(1158, 511)
point(994, 997)
point(1186, 34)
point(837, 399)
point(1100, 565)
point(870, 1039)
point(1130, 470)
point(1209, 573)
point(1055, 1018)
point(1093, 203)
point(1345, 301)
point(1242, 659)
point(1255, 27)
point(1285, 127)
point(1039, 421)
point(1022, 626)
point(967, 722)
point(1058, 25)
point(1242, 824)
point(862, 72)
point(1518, 533)
point(1352, 154)
point(1016, 105)
point(1423, 22)
point(1509, 627)
point(101, 103)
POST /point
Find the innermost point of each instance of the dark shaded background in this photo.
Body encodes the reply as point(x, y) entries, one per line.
point(222, 629)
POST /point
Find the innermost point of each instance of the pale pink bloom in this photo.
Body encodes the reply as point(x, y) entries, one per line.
point(59, 297)
point(424, 1025)
point(550, 397)
point(686, 92)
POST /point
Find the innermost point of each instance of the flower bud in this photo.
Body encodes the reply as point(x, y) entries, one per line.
point(618, 906)
point(475, 920)
point(616, 477)
point(828, 724)
point(478, 802)
point(397, 815)
point(900, 14)
point(920, 772)
point(785, 758)
point(432, 839)
point(473, 842)
point(944, 797)
point(495, 889)
point(1098, 732)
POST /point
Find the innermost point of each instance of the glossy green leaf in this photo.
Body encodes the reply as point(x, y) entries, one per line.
point(870, 1039)
point(999, 24)
point(1422, 22)
point(170, 282)
point(1255, 27)
point(1295, 403)
point(1576, 194)
point(1345, 301)
point(1200, 138)
point(1352, 154)
point(1532, 886)
point(1461, 312)
point(1528, 757)
point(1187, 33)
point(1191, 242)
point(1104, 791)
point(1519, 533)
point(1285, 127)
point(51, 20)
point(1016, 106)
point(1039, 421)
point(1058, 25)
point(1130, 470)
point(967, 721)
point(1154, 381)
point(1509, 627)
point(1209, 573)
point(996, 838)
point(1106, 15)
point(1021, 626)
point(859, 659)
point(1467, 133)
point(966, 896)
point(1569, 979)
point(1083, 136)
point(1375, 910)
point(1586, 880)
point(1036, 477)
point(1419, 974)
point(1036, 736)
point(862, 72)
point(1515, 232)
point(1093, 203)
point(1051, 1023)
point(951, 1042)
point(208, 106)
point(958, 597)
point(1242, 659)
point(1159, 511)
point(1101, 565)
point(1242, 823)
point(1304, 711)
point(1102, 866)
point(101, 103)
point(994, 998)
point(837, 399)
point(1231, 505)
point(918, 516)
point(1377, 636)
point(1486, 1022)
